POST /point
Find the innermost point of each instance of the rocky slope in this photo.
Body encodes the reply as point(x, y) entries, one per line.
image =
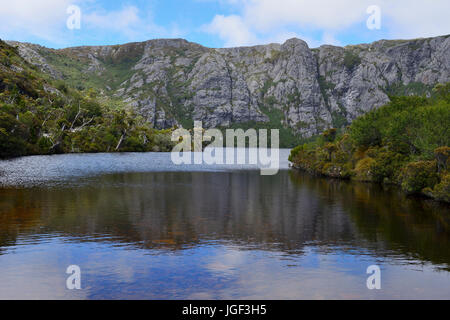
point(290, 85)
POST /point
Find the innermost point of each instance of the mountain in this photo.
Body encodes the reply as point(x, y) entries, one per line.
point(291, 86)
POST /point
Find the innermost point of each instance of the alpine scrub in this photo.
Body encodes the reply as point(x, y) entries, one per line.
point(40, 115)
point(405, 143)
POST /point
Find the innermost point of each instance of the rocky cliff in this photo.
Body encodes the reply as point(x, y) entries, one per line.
point(290, 85)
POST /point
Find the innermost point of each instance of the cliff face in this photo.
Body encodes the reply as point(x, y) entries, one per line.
point(306, 90)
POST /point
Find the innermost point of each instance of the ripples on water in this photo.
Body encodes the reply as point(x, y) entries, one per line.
point(57, 169)
point(141, 228)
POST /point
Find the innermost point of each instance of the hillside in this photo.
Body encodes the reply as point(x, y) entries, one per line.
point(42, 115)
point(290, 86)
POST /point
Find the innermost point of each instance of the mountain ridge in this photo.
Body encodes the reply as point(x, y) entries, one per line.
point(243, 46)
point(301, 90)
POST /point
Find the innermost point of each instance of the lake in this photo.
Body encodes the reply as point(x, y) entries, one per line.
point(140, 227)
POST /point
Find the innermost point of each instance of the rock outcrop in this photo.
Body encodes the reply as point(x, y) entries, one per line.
point(290, 85)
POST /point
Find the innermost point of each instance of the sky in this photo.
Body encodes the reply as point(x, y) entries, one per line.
point(220, 23)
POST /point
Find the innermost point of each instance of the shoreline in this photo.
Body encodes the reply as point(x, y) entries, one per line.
point(349, 179)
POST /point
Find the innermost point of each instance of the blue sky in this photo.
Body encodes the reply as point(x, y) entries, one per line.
point(221, 23)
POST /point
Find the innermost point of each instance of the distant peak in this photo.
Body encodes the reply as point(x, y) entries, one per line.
point(296, 42)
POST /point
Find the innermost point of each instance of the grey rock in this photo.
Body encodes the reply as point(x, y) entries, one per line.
point(34, 54)
point(174, 82)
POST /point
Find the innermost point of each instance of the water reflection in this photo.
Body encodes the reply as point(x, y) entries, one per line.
point(222, 235)
point(388, 221)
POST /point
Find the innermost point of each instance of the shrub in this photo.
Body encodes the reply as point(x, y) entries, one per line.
point(351, 60)
point(11, 146)
point(380, 145)
point(330, 135)
point(44, 144)
point(133, 144)
point(62, 86)
point(330, 148)
point(442, 190)
point(387, 166)
point(340, 156)
point(295, 152)
point(363, 170)
point(417, 176)
point(365, 132)
point(443, 91)
point(346, 142)
point(443, 158)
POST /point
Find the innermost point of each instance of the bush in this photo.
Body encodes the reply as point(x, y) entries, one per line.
point(351, 60)
point(387, 166)
point(443, 158)
point(417, 176)
point(44, 144)
point(133, 144)
point(443, 91)
point(365, 132)
point(330, 135)
point(11, 146)
point(404, 142)
point(442, 190)
point(363, 170)
point(295, 152)
point(62, 86)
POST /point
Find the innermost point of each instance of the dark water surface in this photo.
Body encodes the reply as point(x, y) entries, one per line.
point(140, 228)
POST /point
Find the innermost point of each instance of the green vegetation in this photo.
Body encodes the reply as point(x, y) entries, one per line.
point(413, 88)
point(351, 60)
point(405, 143)
point(274, 56)
point(42, 116)
point(325, 86)
point(288, 139)
point(114, 72)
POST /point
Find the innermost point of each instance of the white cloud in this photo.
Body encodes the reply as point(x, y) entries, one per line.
point(131, 22)
point(46, 19)
point(261, 21)
point(114, 20)
point(232, 30)
point(417, 18)
point(36, 18)
point(126, 21)
point(251, 21)
point(267, 14)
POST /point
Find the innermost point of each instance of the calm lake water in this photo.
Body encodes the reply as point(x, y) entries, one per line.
point(141, 228)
